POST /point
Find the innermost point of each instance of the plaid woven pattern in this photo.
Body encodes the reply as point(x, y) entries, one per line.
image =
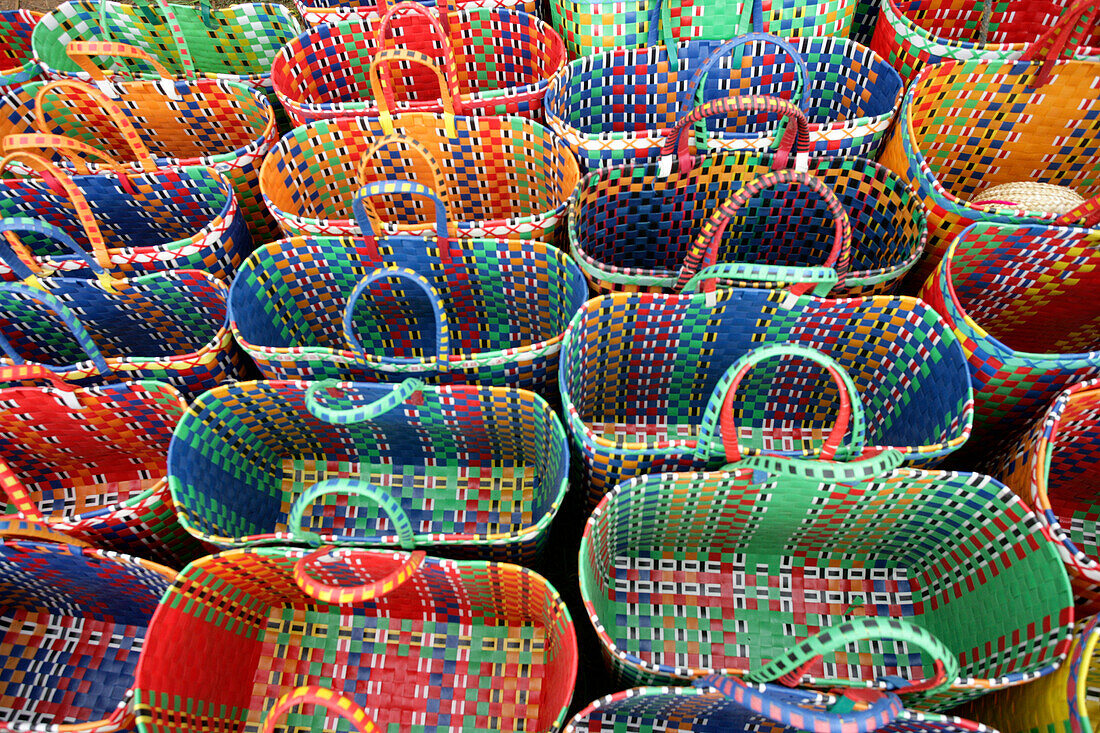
point(1019, 300)
point(199, 122)
point(90, 464)
point(617, 106)
point(504, 177)
point(967, 126)
point(692, 574)
point(506, 304)
point(319, 12)
point(74, 622)
point(167, 326)
point(17, 62)
point(458, 645)
point(642, 375)
point(502, 61)
point(183, 218)
point(478, 470)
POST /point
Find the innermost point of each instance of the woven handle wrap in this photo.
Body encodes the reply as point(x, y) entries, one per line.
point(389, 506)
point(704, 250)
point(783, 706)
point(22, 261)
point(79, 332)
point(791, 667)
point(343, 596)
point(442, 325)
point(382, 85)
point(367, 217)
point(694, 87)
point(1076, 23)
point(398, 395)
point(82, 52)
point(796, 137)
point(327, 699)
point(77, 151)
point(438, 192)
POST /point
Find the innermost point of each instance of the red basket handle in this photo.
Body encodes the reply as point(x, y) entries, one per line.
point(343, 596)
point(1070, 31)
point(321, 697)
point(1086, 214)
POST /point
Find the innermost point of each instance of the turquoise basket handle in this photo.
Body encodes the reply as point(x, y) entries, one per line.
point(389, 506)
point(398, 394)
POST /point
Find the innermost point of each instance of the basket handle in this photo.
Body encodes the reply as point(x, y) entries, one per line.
point(82, 52)
point(367, 217)
point(784, 706)
point(439, 185)
point(321, 697)
point(168, 19)
point(660, 22)
point(42, 373)
point(795, 137)
point(821, 280)
point(397, 396)
point(41, 141)
point(1086, 214)
point(341, 595)
point(849, 414)
point(389, 506)
point(23, 262)
point(872, 463)
point(791, 666)
point(70, 319)
point(704, 250)
point(382, 85)
point(442, 326)
point(695, 86)
point(35, 530)
point(1059, 41)
point(108, 106)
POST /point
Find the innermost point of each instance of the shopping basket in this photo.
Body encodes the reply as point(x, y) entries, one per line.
point(320, 12)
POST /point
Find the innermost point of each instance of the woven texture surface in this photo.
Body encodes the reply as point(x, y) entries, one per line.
point(17, 63)
point(318, 12)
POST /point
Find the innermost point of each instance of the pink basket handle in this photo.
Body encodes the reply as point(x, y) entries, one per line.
point(1057, 42)
point(382, 89)
point(321, 697)
point(340, 595)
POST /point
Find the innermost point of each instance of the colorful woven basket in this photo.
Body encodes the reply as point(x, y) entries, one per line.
point(618, 106)
point(1052, 466)
point(89, 463)
point(644, 379)
point(17, 62)
point(419, 643)
point(319, 12)
point(784, 568)
point(1020, 301)
point(153, 125)
point(75, 621)
point(1067, 700)
point(912, 33)
point(466, 311)
point(492, 62)
point(479, 471)
point(497, 176)
point(644, 227)
point(131, 223)
point(728, 705)
point(967, 126)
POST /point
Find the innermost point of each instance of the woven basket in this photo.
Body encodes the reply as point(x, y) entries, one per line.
point(418, 643)
point(618, 106)
point(17, 62)
point(319, 12)
point(492, 62)
point(1036, 119)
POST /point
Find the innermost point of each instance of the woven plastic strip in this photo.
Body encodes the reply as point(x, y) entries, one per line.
point(313, 695)
point(615, 107)
point(74, 623)
point(155, 125)
point(17, 62)
point(966, 126)
point(323, 73)
point(854, 547)
point(489, 646)
point(481, 471)
point(642, 378)
point(1019, 299)
point(319, 12)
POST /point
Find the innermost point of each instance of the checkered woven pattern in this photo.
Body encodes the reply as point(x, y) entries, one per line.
point(17, 63)
point(692, 574)
point(503, 177)
point(498, 60)
point(507, 304)
point(184, 218)
point(1019, 300)
point(912, 33)
point(319, 12)
point(691, 710)
point(200, 122)
point(617, 106)
point(642, 378)
point(456, 646)
point(479, 468)
point(168, 326)
point(72, 627)
point(968, 126)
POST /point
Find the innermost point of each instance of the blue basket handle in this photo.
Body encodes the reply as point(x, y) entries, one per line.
point(389, 506)
point(67, 316)
point(11, 253)
point(695, 86)
point(785, 706)
point(335, 416)
point(442, 326)
point(368, 219)
point(660, 20)
point(719, 406)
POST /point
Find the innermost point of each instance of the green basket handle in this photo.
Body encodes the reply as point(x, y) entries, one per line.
point(790, 667)
point(397, 395)
point(659, 32)
point(719, 407)
point(389, 506)
point(820, 279)
point(321, 697)
point(167, 18)
point(341, 595)
point(871, 464)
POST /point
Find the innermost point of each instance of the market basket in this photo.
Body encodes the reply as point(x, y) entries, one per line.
point(320, 12)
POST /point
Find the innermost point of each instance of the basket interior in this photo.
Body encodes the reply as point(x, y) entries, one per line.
point(1010, 21)
point(1073, 487)
point(15, 38)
